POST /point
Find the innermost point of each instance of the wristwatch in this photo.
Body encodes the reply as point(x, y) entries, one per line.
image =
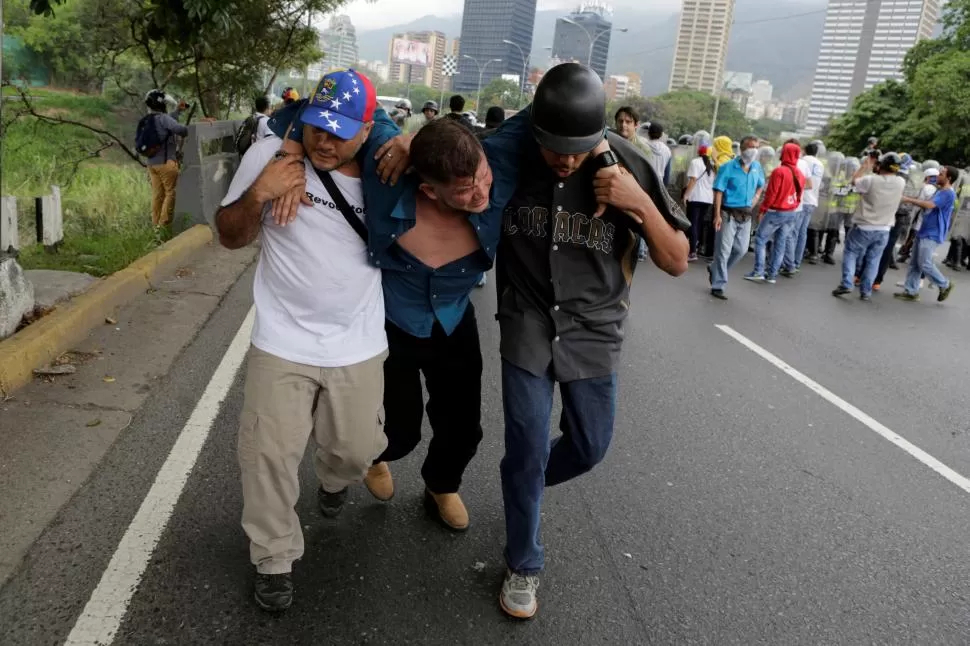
point(605, 159)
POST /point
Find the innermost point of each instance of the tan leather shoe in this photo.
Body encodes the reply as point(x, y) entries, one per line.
point(448, 509)
point(379, 481)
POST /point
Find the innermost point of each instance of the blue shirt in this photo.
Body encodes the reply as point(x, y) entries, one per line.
point(936, 221)
point(415, 295)
point(738, 186)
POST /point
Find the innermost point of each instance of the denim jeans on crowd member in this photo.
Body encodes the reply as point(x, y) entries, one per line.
point(775, 226)
point(888, 253)
point(865, 247)
point(642, 250)
point(532, 462)
point(795, 249)
point(730, 245)
point(921, 262)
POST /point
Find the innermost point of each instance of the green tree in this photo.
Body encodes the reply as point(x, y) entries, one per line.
point(771, 129)
point(500, 92)
point(647, 109)
point(877, 112)
point(687, 111)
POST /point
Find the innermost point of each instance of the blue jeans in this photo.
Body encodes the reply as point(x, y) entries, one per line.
point(795, 249)
point(921, 262)
point(775, 226)
point(730, 245)
point(863, 247)
point(532, 462)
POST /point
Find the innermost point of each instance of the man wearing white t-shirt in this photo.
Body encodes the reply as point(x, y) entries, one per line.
point(814, 171)
point(318, 343)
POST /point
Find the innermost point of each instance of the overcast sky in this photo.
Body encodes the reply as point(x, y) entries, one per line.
point(384, 13)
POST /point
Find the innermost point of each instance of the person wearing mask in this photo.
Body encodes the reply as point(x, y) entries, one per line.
point(563, 280)
point(737, 188)
point(932, 233)
point(163, 168)
point(659, 152)
point(783, 196)
point(880, 194)
point(699, 195)
point(814, 173)
point(627, 122)
point(723, 151)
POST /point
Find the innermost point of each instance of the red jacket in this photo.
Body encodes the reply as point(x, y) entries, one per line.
point(782, 194)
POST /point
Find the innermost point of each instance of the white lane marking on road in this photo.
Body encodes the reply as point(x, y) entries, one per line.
point(108, 604)
point(838, 402)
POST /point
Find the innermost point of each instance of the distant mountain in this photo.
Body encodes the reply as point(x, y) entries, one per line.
point(782, 51)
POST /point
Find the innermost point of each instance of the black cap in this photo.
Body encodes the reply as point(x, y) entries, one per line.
point(569, 110)
point(494, 115)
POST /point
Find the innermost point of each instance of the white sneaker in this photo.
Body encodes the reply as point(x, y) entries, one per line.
point(902, 283)
point(518, 596)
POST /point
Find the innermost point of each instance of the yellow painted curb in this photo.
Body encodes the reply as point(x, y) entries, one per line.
point(41, 342)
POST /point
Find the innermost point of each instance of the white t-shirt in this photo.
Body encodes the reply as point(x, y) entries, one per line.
point(318, 301)
point(262, 126)
point(813, 171)
point(880, 200)
point(703, 190)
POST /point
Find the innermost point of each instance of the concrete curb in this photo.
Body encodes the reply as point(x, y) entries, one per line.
point(38, 344)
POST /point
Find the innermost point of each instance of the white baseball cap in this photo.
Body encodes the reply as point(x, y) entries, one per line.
point(931, 172)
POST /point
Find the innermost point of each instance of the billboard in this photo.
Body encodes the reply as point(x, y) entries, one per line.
point(410, 52)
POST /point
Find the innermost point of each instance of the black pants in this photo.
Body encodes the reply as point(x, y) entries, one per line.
point(452, 367)
point(889, 253)
point(697, 213)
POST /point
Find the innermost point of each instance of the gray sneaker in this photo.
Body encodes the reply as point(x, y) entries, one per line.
point(518, 597)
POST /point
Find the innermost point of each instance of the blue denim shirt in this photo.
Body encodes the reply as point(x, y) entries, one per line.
point(738, 186)
point(415, 295)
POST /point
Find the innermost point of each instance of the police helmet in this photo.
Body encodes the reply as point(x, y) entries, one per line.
point(569, 110)
point(403, 104)
point(430, 105)
point(155, 99)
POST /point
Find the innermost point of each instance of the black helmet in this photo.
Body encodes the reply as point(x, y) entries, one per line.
point(890, 162)
point(569, 109)
point(155, 100)
point(430, 105)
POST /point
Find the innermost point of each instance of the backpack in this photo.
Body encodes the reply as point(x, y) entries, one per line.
point(148, 140)
point(247, 134)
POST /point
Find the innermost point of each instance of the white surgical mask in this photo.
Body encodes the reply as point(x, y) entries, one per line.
point(749, 155)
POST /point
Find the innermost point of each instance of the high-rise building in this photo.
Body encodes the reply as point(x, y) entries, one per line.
point(762, 90)
point(420, 75)
point(584, 36)
point(339, 44)
point(485, 25)
point(863, 44)
point(738, 81)
point(622, 86)
point(702, 40)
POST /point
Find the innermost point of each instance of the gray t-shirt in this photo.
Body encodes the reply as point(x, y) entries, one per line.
point(880, 199)
point(168, 129)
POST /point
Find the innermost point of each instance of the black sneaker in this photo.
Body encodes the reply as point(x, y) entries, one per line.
point(893, 265)
point(945, 293)
point(812, 260)
point(866, 298)
point(828, 260)
point(788, 273)
point(274, 592)
point(331, 503)
point(841, 291)
point(710, 276)
point(719, 293)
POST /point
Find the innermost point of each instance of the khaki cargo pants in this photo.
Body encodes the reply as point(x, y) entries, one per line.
point(164, 177)
point(284, 402)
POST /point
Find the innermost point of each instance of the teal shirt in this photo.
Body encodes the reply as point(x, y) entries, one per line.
point(739, 187)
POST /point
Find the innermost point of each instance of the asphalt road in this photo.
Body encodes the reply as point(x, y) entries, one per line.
point(736, 505)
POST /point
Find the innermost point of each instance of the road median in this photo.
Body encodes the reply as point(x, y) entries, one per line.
point(41, 342)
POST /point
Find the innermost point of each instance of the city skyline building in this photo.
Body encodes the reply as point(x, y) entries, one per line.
point(701, 46)
point(486, 25)
point(420, 75)
point(339, 43)
point(762, 90)
point(863, 44)
point(623, 86)
point(584, 36)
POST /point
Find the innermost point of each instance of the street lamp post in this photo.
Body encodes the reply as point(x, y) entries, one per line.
point(481, 73)
point(591, 38)
point(525, 65)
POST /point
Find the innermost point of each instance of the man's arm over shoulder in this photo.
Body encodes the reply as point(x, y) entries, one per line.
point(239, 217)
point(505, 147)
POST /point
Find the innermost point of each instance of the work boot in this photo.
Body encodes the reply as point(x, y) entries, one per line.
point(518, 596)
point(274, 592)
point(448, 509)
point(379, 482)
point(828, 260)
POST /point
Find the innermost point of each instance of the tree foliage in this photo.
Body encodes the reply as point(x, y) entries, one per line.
point(687, 111)
point(500, 92)
point(927, 114)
